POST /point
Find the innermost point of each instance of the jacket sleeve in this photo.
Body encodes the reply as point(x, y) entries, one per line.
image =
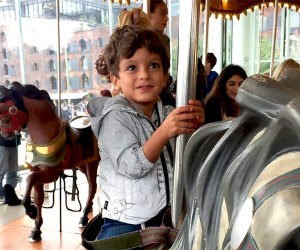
point(121, 145)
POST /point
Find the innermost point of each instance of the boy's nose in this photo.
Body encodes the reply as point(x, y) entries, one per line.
point(144, 73)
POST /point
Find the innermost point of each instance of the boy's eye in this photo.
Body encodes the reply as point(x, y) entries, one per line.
point(154, 65)
point(131, 67)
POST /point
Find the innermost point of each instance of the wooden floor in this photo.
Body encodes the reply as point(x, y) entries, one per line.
point(15, 227)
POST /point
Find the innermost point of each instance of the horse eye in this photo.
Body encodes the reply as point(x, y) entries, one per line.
point(13, 110)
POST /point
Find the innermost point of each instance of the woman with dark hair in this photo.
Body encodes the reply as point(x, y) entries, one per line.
point(220, 104)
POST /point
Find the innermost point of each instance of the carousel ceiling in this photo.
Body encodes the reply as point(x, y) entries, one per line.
point(230, 8)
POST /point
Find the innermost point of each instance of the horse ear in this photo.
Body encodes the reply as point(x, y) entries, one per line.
point(136, 16)
point(4, 92)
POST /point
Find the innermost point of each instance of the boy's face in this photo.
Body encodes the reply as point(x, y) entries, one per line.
point(159, 17)
point(141, 77)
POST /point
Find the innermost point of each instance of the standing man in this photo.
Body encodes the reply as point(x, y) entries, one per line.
point(9, 167)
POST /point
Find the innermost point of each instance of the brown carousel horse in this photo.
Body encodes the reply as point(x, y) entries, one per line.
point(52, 146)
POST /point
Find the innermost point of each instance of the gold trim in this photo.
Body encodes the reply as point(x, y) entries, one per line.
point(51, 147)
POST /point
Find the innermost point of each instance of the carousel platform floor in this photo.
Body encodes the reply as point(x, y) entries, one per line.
point(15, 227)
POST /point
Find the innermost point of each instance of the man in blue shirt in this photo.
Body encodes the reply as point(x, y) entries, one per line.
point(211, 75)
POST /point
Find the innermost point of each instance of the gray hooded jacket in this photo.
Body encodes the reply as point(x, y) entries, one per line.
point(133, 190)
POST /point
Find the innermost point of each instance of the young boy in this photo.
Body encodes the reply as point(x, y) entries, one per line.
point(134, 130)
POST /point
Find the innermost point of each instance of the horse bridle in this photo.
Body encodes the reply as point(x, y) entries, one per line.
point(242, 237)
point(10, 118)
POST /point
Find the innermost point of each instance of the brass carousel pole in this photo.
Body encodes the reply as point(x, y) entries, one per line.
point(59, 99)
point(146, 6)
point(186, 88)
point(206, 30)
point(274, 37)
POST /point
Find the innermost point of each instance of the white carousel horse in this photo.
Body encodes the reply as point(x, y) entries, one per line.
point(223, 160)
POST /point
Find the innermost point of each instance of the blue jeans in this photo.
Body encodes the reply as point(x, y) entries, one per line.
point(111, 228)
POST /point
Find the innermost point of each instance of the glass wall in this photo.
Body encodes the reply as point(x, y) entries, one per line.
point(33, 50)
point(247, 41)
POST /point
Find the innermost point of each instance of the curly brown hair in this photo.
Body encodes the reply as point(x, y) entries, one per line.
point(123, 43)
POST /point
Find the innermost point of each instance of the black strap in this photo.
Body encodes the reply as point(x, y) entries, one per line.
point(163, 160)
point(165, 170)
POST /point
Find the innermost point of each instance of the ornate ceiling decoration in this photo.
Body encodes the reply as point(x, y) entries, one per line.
point(230, 8)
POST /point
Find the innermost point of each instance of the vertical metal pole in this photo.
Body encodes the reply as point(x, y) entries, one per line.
point(110, 17)
point(274, 37)
point(59, 97)
point(21, 49)
point(169, 32)
point(186, 88)
point(287, 28)
point(206, 30)
point(260, 36)
point(146, 6)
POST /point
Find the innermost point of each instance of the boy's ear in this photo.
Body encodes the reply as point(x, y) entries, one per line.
point(113, 78)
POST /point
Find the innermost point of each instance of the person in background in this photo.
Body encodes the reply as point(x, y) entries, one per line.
point(220, 104)
point(134, 16)
point(9, 167)
point(201, 82)
point(159, 18)
point(137, 17)
point(211, 75)
point(105, 92)
point(136, 132)
point(283, 67)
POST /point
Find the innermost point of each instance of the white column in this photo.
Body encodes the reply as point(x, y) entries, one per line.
point(242, 35)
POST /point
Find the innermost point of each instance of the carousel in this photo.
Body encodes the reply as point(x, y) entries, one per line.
point(236, 183)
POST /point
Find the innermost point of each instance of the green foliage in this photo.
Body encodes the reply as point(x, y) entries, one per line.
point(265, 55)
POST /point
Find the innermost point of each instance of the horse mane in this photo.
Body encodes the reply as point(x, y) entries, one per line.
point(8, 94)
point(27, 90)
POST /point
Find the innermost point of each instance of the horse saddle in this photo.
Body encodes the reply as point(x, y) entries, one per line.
point(80, 122)
point(76, 125)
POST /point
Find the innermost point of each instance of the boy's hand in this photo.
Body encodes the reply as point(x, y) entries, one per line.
point(184, 120)
point(199, 110)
